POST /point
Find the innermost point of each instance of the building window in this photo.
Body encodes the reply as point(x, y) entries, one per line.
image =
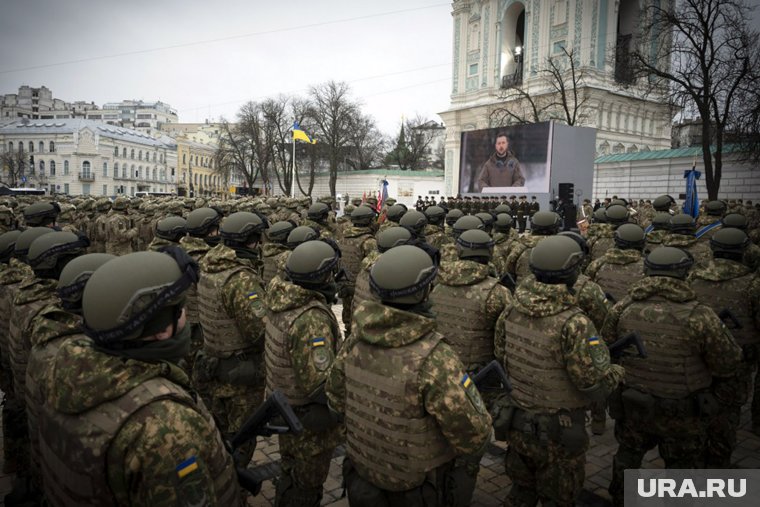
point(124, 153)
point(52, 168)
point(115, 151)
point(184, 158)
point(86, 168)
point(124, 171)
point(66, 188)
point(473, 69)
point(132, 154)
point(42, 168)
point(154, 173)
point(31, 147)
point(10, 146)
point(154, 156)
point(86, 188)
point(105, 189)
point(558, 47)
point(139, 155)
point(41, 147)
point(105, 168)
point(65, 167)
point(52, 147)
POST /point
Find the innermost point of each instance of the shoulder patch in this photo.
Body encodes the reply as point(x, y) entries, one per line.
point(188, 466)
point(593, 340)
point(318, 342)
point(253, 296)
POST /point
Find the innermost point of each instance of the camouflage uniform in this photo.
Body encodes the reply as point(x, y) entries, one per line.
point(502, 245)
point(7, 219)
point(665, 400)
point(231, 313)
point(362, 290)
point(654, 239)
point(325, 230)
point(356, 243)
point(646, 215)
point(602, 240)
point(554, 357)
point(435, 236)
point(302, 337)
point(517, 260)
point(120, 233)
point(616, 270)
point(700, 251)
point(159, 243)
point(99, 233)
point(414, 420)
point(270, 254)
point(725, 284)
point(126, 432)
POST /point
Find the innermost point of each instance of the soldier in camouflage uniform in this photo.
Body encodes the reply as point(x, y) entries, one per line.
point(545, 224)
point(41, 214)
point(318, 219)
point(355, 244)
point(656, 231)
point(169, 232)
point(710, 219)
point(665, 400)
point(451, 218)
point(99, 234)
point(277, 236)
point(558, 366)
point(416, 222)
point(604, 239)
point(393, 216)
point(434, 232)
point(120, 229)
point(416, 425)
point(622, 265)
point(302, 339)
point(681, 234)
point(7, 219)
point(146, 226)
point(230, 304)
point(54, 324)
point(726, 283)
point(504, 235)
point(118, 426)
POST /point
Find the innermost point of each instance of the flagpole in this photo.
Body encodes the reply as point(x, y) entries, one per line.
point(293, 176)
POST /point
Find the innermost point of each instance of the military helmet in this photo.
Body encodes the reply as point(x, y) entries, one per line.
point(279, 231)
point(171, 228)
point(502, 208)
point(363, 216)
point(272, 202)
point(545, 223)
point(103, 204)
point(395, 212)
point(49, 253)
point(74, 277)
point(242, 227)
point(503, 222)
point(600, 217)
point(291, 203)
point(137, 295)
point(735, 220)
point(312, 263)
point(715, 208)
point(453, 215)
point(392, 237)
point(682, 224)
point(24, 241)
point(121, 203)
point(403, 275)
point(475, 244)
point(349, 208)
point(41, 213)
point(663, 203)
point(200, 221)
point(300, 235)
point(729, 241)
point(630, 237)
point(466, 223)
point(556, 259)
point(661, 221)
point(668, 261)
point(435, 215)
point(616, 214)
point(618, 202)
point(578, 239)
point(8, 245)
point(318, 211)
point(487, 219)
point(415, 221)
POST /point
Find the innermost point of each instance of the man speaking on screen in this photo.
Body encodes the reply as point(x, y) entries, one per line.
point(502, 169)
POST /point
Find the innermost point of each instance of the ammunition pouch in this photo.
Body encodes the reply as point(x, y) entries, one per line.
point(204, 369)
point(315, 417)
point(641, 406)
point(566, 428)
point(240, 370)
point(502, 412)
point(637, 405)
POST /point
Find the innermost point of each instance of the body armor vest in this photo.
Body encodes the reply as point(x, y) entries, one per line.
point(534, 362)
point(19, 343)
point(191, 302)
point(390, 438)
point(75, 447)
point(352, 254)
point(269, 256)
point(462, 320)
point(674, 368)
point(617, 278)
point(279, 363)
point(730, 294)
point(522, 265)
point(7, 292)
point(362, 290)
point(601, 245)
point(221, 337)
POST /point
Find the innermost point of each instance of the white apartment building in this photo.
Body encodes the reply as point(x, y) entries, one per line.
point(84, 157)
point(136, 114)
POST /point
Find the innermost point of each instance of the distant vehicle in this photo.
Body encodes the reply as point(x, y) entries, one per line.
point(155, 194)
point(22, 191)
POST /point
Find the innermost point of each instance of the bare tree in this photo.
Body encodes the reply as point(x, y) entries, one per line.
point(703, 55)
point(412, 144)
point(560, 94)
point(333, 112)
point(13, 165)
point(277, 127)
point(367, 143)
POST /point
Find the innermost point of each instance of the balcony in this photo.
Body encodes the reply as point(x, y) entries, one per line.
point(86, 176)
point(512, 80)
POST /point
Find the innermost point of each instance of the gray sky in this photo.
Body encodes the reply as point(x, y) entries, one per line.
point(397, 63)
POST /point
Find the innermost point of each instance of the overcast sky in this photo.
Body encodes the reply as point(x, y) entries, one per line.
point(395, 54)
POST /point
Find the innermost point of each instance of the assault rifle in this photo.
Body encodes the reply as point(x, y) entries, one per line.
point(508, 281)
point(726, 314)
point(265, 422)
point(619, 348)
point(493, 371)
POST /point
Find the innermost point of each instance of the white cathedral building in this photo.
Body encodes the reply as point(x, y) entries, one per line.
point(505, 45)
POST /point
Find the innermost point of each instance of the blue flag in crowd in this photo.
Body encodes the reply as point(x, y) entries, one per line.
point(691, 204)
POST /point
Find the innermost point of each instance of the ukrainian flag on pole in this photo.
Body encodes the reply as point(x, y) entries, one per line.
point(300, 135)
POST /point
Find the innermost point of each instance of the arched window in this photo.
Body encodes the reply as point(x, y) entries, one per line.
point(105, 168)
point(133, 172)
point(31, 147)
point(184, 158)
point(65, 167)
point(21, 147)
point(627, 28)
point(154, 173)
point(52, 147)
point(124, 153)
point(116, 170)
point(139, 155)
point(41, 146)
point(52, 168)
point(139, 172)
point(513, 44)
point(42, 168)
point(85, 168)
point(154, 156)
point(115, 151)
point(132, 154)
point(124, 171)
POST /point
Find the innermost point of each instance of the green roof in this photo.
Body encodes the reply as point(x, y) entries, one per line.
point(691, 151)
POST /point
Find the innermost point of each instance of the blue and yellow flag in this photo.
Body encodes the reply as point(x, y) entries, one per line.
point(300, 135)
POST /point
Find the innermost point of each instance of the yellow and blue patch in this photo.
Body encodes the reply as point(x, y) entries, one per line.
point(466, 381)
point(318, 342)
point(253, 296)
point(188, 466)
point(593, 340)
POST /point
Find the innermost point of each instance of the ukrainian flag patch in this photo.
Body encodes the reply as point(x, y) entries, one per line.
point(253, 296)
point(188, 466)
point(318, 342)
point(593, 340)
point(466, 381)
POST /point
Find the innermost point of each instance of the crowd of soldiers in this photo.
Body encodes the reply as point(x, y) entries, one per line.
point(140, 334)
